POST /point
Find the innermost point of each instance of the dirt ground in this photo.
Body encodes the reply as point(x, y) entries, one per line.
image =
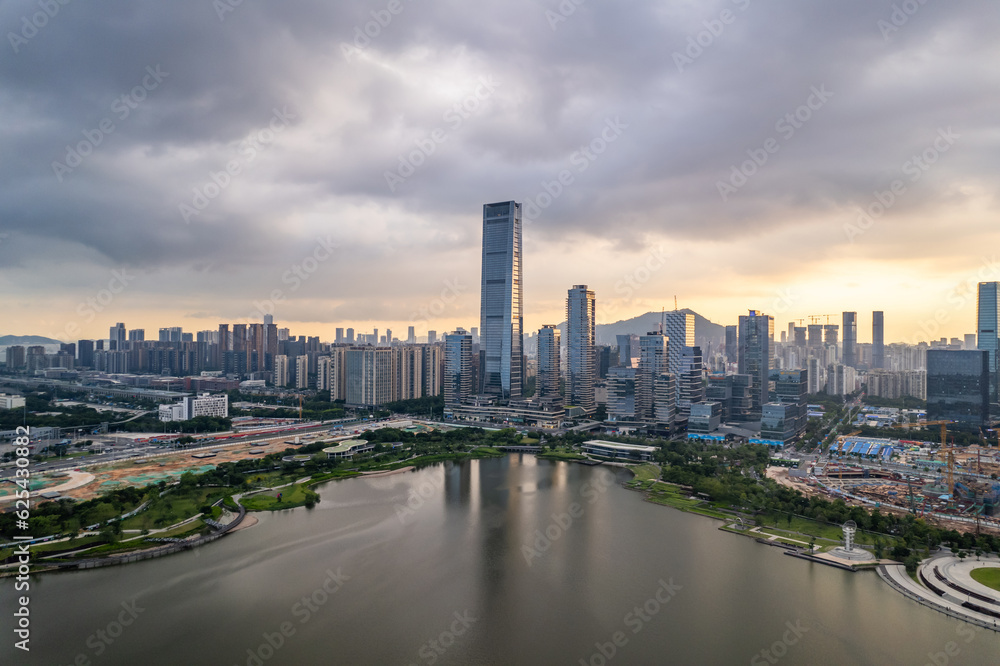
point(167, 467)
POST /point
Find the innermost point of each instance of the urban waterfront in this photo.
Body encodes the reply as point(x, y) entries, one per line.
point(497, 561)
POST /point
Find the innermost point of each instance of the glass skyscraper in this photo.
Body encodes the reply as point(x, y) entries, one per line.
point(500, 314)
point(958, 387)
point(755, 357)
point(580, 359)
point(988, 330)
point(548, 374)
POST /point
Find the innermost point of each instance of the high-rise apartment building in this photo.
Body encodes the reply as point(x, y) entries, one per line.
point(850, 346)
point(500, 318)
point(878, 340)
point(580, 337)
point(548, 374)
point(117, 336)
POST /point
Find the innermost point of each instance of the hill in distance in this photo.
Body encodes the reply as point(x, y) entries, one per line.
point(704, 330)
point(8, 340)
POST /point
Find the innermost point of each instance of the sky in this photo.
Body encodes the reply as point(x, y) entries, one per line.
point(201, 162)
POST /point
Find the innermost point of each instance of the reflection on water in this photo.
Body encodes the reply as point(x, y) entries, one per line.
point(496, 561)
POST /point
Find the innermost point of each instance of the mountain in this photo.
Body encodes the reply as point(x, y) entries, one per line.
point(7, 340)
point(703, 328)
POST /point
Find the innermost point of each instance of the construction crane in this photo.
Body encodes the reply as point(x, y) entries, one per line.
point(947, 452)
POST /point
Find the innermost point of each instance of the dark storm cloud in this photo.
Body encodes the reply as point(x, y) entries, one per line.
point(691, 87)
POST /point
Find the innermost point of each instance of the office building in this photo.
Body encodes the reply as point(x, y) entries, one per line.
point(705, 417)
point(755, 356)
point(814, 336)
point(580, 338)
point(500, 319)
point(457, 367)
point(732, 337)
point(958, 384)
point(679, 328)
point(549, 374)
point(621, 393)
point(988, 334)
point(653, 362)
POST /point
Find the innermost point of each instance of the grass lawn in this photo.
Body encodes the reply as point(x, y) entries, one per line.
point(173, 508)
point(560, 453)
point(291, 497)
point(528, 441)
point(988, 576)
point(646, 472)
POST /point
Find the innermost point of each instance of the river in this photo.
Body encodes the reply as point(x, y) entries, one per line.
point(499, 561)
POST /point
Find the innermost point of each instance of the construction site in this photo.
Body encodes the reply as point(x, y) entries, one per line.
point(954, 488)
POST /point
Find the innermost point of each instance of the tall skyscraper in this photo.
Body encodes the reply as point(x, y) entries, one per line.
point(988, 333)
point(411, 335)
point(457, 367)
point(755, 357)
point(548, 375)
point(878, 340)
point(732, 338)
point(500, 314)
point(137, 335)
point(679, 328)
point(350, 336)
point(580, 361)
point(850, 353)
point(268, 319)
point(653, 362)
point(432, 337)
point(339, 335)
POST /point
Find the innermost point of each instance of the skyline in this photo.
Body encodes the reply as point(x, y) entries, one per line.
point(230, 163)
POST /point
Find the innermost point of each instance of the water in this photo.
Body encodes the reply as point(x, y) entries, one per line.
point(450, 565)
